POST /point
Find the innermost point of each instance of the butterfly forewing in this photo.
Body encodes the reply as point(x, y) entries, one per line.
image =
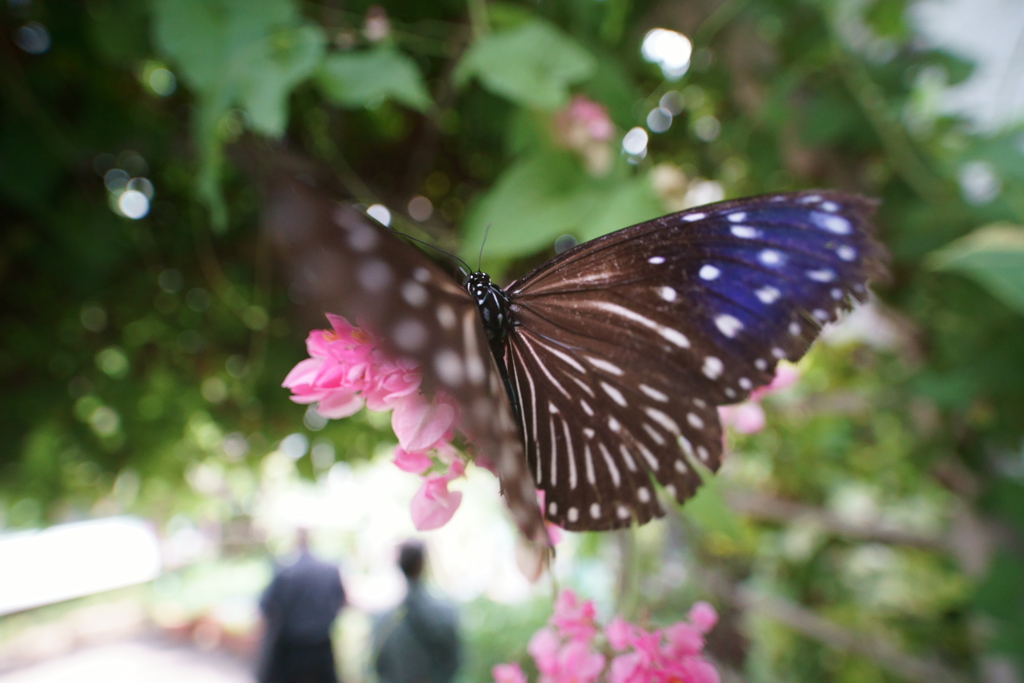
point(347, 265)
point(624, 346)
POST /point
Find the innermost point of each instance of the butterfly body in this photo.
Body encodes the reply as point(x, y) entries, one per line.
point(597, 375)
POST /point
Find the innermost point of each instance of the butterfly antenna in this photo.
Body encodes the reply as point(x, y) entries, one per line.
point(480, 256)
point(432, 246)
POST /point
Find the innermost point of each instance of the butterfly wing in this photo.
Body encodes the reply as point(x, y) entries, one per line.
point(343, 263)
point(624, 346)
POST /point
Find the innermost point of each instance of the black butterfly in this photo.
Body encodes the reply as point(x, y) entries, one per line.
point(602, 368)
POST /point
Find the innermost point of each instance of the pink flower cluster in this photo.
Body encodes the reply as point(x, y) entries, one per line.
point(584, 127)
point(566, 650)
point(748, 417)
point(346, 370)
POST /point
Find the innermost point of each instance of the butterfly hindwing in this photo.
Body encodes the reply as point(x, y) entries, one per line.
point(347, 265)
point(633, 339)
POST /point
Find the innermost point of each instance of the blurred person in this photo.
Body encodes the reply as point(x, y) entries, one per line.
point(418, 641)
point(299, 607)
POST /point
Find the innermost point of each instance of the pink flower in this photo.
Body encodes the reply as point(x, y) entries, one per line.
point(577, 664)
point(416, 462)
point(565, 651)
point(745, 418)
point(554, 531)
point(574, 618)
point(618, 632)
point(433, 504)
point(420, 425)
point(683, 640)
point(508, 673)
point(629, 668)
point(584, 127)
point(748, 417)
point(703, 616)
point(543, 647)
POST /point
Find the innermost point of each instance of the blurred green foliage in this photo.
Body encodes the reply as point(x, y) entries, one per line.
point(133, 352)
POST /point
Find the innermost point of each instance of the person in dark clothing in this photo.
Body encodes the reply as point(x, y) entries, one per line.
point(298, 607)
point(418, 641)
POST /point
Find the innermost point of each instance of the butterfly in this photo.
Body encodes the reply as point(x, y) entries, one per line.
point(599, 372)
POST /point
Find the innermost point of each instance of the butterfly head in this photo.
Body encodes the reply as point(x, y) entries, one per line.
point(492, 302)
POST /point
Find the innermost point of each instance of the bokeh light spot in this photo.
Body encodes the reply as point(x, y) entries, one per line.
point(635, 142)
point(379, 213)
point(670, 50)
point(133, 204)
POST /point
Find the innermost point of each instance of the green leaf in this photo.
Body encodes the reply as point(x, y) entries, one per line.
point(548, 194)
point(293, 54)
point(364, 78)
point(533, 65)
point(628, 202)
point(727, 532)
point(993, 256)
point(247, 53)
point(535, 200)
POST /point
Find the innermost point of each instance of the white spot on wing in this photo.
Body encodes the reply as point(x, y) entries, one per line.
point(680, 466)
point(810, 199)
point(414, 293)
point(836, 293)
point(662, 419)
point(743, 231)
point(374, 275)
point(409, 334)
point(831, 207)
point(656, 260)
point(654, 393)
point(778, 353)
point(595, 510)
point(820, 314)
point(771, 258)
point(708, 272)
point(614, 425)
point(362, 238)
point(831, 223)
point(768, 294)
point(421, 274)
point(695, 421)
point(794, 328)
point(602, 364)
point(623, 512)
point(712, 367)
point(691, 217)
point(737, 217)
point(448, 367)
point(728, 325)
point(656, 436)
point(552, 508)
point(761, 364)
point(674, 336)
point(573, 515)
point(612, 468)
point(745, 384)
point(628, 457)
point(643, 495)
point(446, 316)
point(667, 293)
point(823, 275)
point(846, 252)
point(586, 408)
point(614, 393)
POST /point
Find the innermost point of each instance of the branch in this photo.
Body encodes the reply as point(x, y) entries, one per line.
point(761, 506)
point(814, 627)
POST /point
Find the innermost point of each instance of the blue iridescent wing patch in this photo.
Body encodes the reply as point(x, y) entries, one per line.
point(622, 347)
